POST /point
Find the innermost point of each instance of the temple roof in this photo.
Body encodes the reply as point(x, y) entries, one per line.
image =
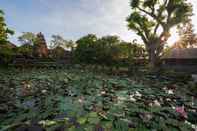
point(190, 53)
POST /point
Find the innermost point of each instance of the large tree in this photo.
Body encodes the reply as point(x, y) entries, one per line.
point(4, 31)
point(152, 21)
point(59, 41)
point(108, 50)
point(6, 50)
point(27, 38)
point(27, 41)
point(85, 51)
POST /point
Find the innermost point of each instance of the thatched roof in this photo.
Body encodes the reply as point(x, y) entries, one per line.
point(190, 53)
point(12, 45)
point(8, 45)
point(26, 45)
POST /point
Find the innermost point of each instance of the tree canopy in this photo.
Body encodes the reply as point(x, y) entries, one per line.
point(106, 51)
point(152, 21)
point(27, 38)
point(85, 50)
point(4, 30)
point(6, 51)
point(59, 41)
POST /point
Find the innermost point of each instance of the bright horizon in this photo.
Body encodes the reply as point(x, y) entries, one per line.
point(73, 19)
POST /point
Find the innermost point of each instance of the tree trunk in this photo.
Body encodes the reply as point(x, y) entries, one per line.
point(154, 49)
point(152, 58)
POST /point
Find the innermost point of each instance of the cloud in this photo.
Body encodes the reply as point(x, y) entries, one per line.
point(73, 19)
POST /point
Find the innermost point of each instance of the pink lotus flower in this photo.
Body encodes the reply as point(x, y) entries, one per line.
point(181, 111)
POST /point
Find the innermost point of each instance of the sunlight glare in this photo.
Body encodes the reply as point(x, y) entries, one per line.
point(174, 37)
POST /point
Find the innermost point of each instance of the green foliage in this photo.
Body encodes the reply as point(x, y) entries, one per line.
point(4, 31)
point(25, 50)
point(148, 16)
point(6, 51)
point(58, 41)
point(106, 51)
point(75, 99)
point(27, 38)
point(85, 50)
point(57, 53)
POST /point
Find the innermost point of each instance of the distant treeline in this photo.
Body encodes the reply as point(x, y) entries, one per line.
point(105, 51)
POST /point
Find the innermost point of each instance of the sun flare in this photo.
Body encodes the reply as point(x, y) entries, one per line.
point(174, 37)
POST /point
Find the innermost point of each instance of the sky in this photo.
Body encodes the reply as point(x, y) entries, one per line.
point(72, 19)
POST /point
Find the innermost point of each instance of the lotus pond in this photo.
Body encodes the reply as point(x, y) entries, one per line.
point(79, 100)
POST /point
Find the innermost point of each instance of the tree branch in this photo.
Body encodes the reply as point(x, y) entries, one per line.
point(148, 13)
point(166, 2)
point(142, 36)
point(153, 16)
point(159, 15)
point(155, 30)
